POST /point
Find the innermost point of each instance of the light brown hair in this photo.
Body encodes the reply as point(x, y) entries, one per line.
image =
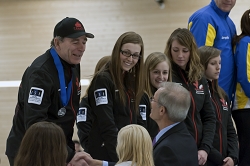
point(206, 53)
point(151, 62)
point(185, 38)
point(43, 144)
point(132, 79)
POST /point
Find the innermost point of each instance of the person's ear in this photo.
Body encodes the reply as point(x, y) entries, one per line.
point(162, 110)
point(57, 43)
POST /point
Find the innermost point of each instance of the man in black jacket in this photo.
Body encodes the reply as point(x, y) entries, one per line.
point(50, 88)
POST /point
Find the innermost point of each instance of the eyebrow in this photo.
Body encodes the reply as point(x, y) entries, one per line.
point(181, 48)
point(125, 49)
point(76, 39)
point(158, 70)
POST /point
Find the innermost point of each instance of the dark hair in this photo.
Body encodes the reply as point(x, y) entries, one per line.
point(245, 27)
point(43, 144)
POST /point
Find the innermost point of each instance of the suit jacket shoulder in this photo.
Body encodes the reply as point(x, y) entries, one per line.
point(176, 147)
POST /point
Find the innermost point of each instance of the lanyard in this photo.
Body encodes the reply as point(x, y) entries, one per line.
point(65, 96)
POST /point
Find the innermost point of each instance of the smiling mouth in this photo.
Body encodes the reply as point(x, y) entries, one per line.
point(77, 55)
point(160, 81)
point(128, 64)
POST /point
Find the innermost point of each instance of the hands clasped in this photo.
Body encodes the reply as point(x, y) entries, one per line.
point(84, 159)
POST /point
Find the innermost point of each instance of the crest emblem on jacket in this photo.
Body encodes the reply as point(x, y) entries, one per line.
point(198, 88)
point(224, 104)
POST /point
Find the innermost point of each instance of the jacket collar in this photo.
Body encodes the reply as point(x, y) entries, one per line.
point(218, 10)
point(174, 129)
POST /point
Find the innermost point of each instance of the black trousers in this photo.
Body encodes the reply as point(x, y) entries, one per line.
point(11, 160)
point(242, 122)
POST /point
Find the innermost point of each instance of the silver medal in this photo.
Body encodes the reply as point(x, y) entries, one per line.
point(61, 112)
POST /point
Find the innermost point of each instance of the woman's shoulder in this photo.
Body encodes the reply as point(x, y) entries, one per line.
point(103, 77)
point(125, 163)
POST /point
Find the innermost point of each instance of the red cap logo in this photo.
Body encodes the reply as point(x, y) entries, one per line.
point(78, 26)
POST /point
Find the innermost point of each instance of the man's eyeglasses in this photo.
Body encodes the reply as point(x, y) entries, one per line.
point(128, 54)
point(153, 100)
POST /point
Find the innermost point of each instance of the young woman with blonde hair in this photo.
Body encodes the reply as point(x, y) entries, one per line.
point(157, 71)
point(134, 147)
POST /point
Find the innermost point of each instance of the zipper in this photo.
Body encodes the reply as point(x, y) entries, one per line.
point(193, 110)
point(129, 108)
point(219, 119)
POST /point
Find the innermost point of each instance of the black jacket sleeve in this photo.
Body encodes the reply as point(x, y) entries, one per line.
point(101, 98)
point(84, 122)
point(36, 110)
point(208, 120)
point(215, 157)
point(71, 154)
point(232, 139)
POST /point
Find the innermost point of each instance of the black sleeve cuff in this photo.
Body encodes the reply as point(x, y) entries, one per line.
point(205, 147)
point(235, 160)
point(71, 154)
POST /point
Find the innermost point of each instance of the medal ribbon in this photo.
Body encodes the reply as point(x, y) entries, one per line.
point(65, 96)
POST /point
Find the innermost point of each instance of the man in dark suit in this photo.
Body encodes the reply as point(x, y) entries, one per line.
point(173, 145)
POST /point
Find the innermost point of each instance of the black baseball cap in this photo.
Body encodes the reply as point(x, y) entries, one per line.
point(71, 28)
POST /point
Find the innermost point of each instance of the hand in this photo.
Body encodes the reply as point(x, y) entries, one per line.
point(228, 161)
point(93, 162)
point(202, 157)
point(79, 159)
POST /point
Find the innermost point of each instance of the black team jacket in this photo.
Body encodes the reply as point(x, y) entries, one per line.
point(39, 100)
point(200, 119)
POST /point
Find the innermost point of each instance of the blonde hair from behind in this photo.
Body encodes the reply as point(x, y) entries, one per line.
point(134, 144)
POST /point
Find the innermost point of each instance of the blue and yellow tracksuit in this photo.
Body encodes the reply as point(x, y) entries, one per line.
point(241, 109)
point(242, 60)
point(212, 27)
